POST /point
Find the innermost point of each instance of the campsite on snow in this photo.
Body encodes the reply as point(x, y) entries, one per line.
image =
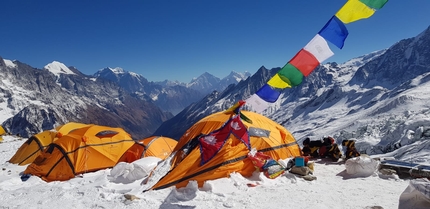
point(92, 166)
point(305, 135)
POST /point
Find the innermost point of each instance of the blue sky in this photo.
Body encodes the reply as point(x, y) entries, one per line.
point(179, 40)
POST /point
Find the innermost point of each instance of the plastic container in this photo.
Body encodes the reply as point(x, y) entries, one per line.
point(300, 161)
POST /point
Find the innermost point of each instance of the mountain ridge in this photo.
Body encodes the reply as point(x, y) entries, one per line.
point(42, 100)
point(369, 94)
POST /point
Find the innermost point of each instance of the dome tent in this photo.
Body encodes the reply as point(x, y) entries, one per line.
point(2, 131)
point(218, 145)
point(83, 150)
point(155, 146)
point(36, 143)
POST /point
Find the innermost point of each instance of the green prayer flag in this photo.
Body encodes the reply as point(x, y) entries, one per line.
point(374, 4)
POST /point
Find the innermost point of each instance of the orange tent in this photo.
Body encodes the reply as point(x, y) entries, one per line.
point(36, 143)
point(83, 150)
point(2, 131)
point(156, 146)
point(218, 145)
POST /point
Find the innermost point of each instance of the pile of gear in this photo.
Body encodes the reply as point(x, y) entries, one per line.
point(300, 165)
point(326, 147)
point(350, 151)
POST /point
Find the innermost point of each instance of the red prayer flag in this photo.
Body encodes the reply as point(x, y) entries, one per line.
point(305, 62)
point(210, 144)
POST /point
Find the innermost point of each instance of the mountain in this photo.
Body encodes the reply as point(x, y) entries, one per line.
point(214, 102)
point(129, 81)
point(206, 83)
point(381, 89)
point(232, 78)
point(166, 95)
point(375, 94)
point(34, 100)
point(170, 96)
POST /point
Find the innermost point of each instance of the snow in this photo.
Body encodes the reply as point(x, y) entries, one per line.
point(117, 70)
point(58, 68)
point(397, 127)
point(7, 113)
point(9, 63)
point(333, 188)
point(21, 98)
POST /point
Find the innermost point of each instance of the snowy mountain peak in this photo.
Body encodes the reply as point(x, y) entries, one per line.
point(57, 68)
point(361, 60)
point(204, 76)
point(9, 63)
point(117, 70)
point(109, 70)
point(238, 76)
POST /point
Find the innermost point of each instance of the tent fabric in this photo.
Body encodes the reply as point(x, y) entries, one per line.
point(154, 146)
point(2, 131)
point(83, 150)
point(34, 145)
point(232, 156)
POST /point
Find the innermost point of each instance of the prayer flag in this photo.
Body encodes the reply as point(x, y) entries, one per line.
point(257, 104)
point(268, 94)
point(319, 48)
point(375, 4)
point(278, 82)
point(305, 62)
point(291, 74)
point(335, 32)
point(354, 10)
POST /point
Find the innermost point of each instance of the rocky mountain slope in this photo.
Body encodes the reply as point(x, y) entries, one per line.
point(33, 100)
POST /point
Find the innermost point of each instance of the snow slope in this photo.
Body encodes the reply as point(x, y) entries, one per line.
point(333, 188)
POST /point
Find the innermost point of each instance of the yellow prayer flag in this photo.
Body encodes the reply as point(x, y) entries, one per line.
point(354, 10)
point(277, 82)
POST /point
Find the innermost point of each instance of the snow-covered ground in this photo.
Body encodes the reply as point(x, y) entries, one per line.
point(333, 188)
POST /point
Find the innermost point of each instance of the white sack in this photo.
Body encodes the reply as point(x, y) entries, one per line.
point(138, 169)
point(362, 166)
point(416, 195)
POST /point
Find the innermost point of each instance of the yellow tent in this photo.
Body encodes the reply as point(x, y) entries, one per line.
point(218, 145)
point(36, 143)
point(2, 131)
point(156, 146)
point(83, 150)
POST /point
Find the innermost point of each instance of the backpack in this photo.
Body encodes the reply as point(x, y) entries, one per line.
point(331, 151)
point(351, 151)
